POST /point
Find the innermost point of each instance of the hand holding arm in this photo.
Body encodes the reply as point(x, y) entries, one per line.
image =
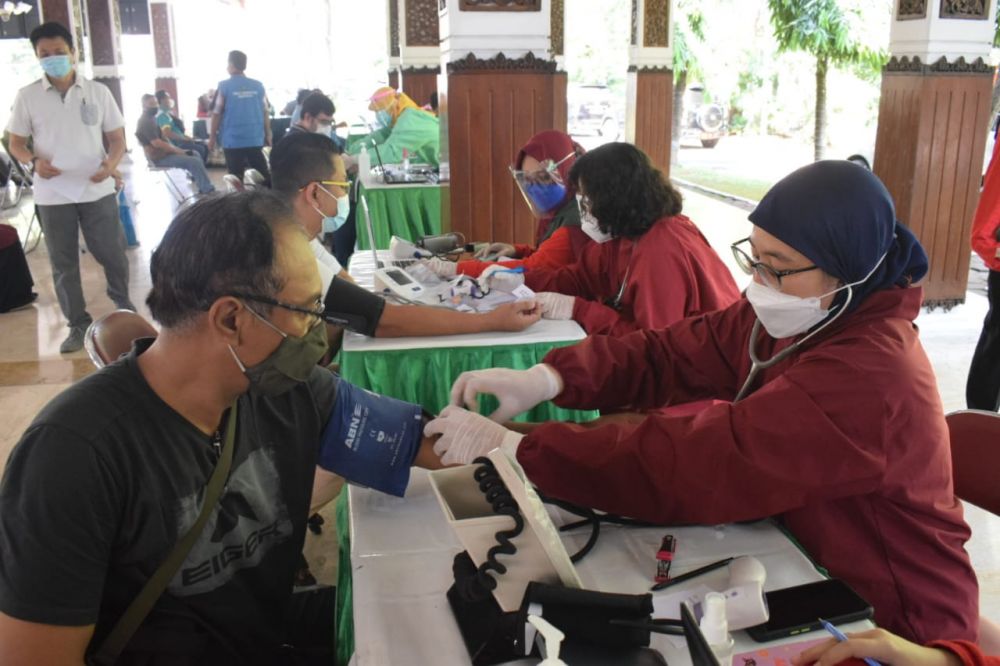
point(555, 306)
point(498, 249)
point(466, 435)
point(516, 390)
point(441, 267)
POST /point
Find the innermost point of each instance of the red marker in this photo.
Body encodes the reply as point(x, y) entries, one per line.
point(664, 557)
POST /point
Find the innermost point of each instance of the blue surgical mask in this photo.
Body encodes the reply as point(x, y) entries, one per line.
point(546, 195)
point(333, 222)
point(384, 118)
point(57, 66)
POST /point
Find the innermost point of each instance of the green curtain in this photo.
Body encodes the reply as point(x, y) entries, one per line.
point(425, 376)
point(407, 212)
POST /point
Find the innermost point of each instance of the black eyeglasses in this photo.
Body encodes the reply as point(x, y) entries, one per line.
point(317, 314)
point(768, 275)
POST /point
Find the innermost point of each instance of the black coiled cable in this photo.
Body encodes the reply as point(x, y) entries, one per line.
point(503, 504)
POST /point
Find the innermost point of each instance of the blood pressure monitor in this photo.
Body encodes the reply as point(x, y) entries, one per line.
point(398, 282)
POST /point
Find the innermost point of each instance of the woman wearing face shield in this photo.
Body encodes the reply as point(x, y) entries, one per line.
point(541, 172)
point(832, 422)
point(649, 265)
point(403, 126)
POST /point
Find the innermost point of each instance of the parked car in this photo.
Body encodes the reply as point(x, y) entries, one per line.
point(594, 110)
point(704, 122)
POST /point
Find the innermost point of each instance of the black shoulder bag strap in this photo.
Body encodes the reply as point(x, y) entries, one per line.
point(137, 611)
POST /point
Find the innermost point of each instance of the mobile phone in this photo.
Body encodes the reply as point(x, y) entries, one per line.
point(796, 610)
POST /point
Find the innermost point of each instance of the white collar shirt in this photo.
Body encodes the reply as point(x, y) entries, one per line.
point(68, 130)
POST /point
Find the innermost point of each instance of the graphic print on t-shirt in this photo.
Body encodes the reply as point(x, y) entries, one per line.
point(250, 520)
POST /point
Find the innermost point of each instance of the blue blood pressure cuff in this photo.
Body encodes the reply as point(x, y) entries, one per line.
point(371, 440)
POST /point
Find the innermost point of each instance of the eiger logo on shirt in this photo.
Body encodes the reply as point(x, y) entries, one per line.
point(245, 94)
point(249, 521)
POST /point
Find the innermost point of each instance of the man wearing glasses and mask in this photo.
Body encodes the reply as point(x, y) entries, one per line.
point(116, 470)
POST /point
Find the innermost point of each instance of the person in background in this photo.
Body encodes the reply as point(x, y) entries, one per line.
point(541, 171)
point(830, 418)
point(206, 102)
point(891, 650)
point(403, 125)
point(648, 267)
point(317, 117)
point(173, 128)
point(125, 454)
point(70, 119)
point(300, 99)
point(982, 389)
point(161, 153)
point(240, 121)
point(290, 107)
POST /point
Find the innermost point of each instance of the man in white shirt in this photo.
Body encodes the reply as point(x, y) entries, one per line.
point(69, 119)
point(308, 172)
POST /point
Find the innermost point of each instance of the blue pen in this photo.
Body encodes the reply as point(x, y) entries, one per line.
point(839, 635)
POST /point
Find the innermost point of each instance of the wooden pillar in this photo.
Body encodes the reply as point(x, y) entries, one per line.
point(392, 41)
point(105, 44)
point(649, 107)
point(165, 49)
point(499, 87)
point(70, 14)
point(932, 128)
point(59, 11)
point(419, 49)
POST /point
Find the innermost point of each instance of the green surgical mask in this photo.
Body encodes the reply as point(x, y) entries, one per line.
point(289, 364)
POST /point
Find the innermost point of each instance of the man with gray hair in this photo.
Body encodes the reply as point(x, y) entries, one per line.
point(115, 470)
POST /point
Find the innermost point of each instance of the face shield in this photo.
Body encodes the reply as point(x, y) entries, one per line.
point(543, 188)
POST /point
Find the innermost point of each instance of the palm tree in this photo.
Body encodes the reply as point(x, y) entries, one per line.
point(823, 29)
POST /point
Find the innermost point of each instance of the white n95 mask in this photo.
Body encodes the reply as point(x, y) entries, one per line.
point(784, 315)
point(590, 227)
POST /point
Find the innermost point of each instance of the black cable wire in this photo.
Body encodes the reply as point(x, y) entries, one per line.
point(503, 503)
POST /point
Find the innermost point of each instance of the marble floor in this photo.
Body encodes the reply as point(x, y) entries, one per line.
point(32, 371)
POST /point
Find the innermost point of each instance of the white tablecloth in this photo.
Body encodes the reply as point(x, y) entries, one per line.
point(362, 266)
point(401, 558)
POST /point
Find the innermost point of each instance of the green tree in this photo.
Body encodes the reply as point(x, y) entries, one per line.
point(822, 28)
point(685, 64)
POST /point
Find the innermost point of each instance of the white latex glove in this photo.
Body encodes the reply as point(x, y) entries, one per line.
point(441, 267)
point(499, 249)
point(498, 277)
point(516, 390)
point(555, 306)
point(465, 435)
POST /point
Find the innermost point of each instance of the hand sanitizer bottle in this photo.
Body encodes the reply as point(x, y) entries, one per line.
point(553, 641)
point(716, 629)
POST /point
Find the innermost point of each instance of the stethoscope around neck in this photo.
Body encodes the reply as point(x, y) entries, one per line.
point(756, 364)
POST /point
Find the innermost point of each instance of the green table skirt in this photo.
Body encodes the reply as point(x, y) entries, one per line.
point(407, 212)
point(425, 376)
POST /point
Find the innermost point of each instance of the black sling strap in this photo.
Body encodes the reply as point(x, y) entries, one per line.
point(137, 611)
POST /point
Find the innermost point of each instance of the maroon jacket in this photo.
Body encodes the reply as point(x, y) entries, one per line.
point(672, 273)
point(845, 442)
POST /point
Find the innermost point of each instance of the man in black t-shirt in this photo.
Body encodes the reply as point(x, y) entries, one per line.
point(113, 471)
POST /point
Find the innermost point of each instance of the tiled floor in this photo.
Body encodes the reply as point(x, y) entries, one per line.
point(32, 370)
